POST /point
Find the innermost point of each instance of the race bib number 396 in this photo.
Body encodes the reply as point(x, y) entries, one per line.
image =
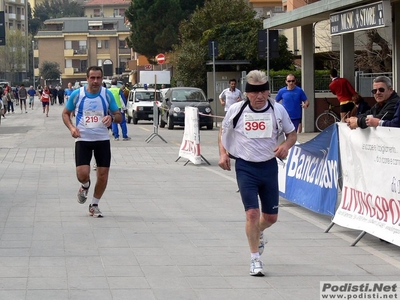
point(257, 125)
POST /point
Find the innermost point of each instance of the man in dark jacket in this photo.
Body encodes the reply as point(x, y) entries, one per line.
point(60, 95)
point(53, 92)
point(395, 122)
point(384, 109)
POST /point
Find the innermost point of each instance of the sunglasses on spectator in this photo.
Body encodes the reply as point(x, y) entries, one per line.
point(381, 90)
point(290, 80)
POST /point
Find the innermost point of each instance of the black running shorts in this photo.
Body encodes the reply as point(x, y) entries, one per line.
point(101, 150)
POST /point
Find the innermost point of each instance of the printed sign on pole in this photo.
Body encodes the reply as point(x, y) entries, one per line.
point(190, 147)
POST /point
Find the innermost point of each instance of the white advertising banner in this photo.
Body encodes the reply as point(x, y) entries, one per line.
point(190, 147)
point(155, 77)
point(370, 201)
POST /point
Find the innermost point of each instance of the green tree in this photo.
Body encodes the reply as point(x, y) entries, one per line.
point(14, 54)
point(154, 24)
point(189, 7)
point(191, 68)
point(285, 59)
point(51, 9)
point(236, 37)
point(33, 24)
point(50, 70)
point(237, 40)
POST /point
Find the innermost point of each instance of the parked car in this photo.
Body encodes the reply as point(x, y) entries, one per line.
point(175, 101)
point(140, 104)
point(108, 83)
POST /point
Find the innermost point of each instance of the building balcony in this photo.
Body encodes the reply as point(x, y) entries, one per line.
point(69, 71)
point(68, 52)
point(124, 51)
point(266, 2)
point(80, 51)
point(125, 56)
point(73, 71)
point(75, 52)
point(12, 16)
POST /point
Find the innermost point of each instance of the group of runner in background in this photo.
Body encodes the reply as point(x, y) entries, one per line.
point(24, 97)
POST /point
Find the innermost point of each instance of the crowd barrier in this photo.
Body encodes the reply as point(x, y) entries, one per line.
point(363, 164)
point(366, 161)
point(309, 175)
point(371, 181)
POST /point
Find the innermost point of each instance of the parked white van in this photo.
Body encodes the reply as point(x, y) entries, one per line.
point(140, 104)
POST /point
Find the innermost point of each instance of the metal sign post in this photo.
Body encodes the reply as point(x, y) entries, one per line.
point(155, 124)
point(213, 51)
point(155, 115)
point(270, 83)
point(33, 64)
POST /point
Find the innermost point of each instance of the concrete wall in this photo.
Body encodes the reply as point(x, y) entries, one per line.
point(52, 50)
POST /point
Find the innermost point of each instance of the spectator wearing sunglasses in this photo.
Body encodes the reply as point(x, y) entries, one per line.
point(344, 91)
point(384, 109)
point(294, 100)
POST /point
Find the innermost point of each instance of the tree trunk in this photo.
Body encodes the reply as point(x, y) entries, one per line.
point(378, 60)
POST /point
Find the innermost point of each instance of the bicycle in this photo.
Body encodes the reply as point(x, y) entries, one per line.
point(327, 118)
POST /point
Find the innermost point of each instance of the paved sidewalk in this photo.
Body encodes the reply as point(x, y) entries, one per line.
point(170, 231)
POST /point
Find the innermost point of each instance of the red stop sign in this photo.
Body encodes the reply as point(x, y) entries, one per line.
point(160, 58)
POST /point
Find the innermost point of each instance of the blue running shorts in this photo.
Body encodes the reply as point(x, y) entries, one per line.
point(258, 180)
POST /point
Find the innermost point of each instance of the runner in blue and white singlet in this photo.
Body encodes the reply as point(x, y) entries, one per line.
point(95, 109)
point(90, 109)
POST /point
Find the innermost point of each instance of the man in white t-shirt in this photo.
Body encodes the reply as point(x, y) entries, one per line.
point(230, 95)
point(253, 133)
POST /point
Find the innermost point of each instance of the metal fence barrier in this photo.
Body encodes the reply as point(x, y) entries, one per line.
point(364, 81)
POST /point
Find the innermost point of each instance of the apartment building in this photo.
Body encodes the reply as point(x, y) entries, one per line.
point(289, 5)
point(15, 19)
point(15, 14)
point(264, 8)
point(101, 8)
point(77, 43)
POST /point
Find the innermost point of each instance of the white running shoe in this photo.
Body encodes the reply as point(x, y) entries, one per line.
point(256, 267)
point(82, 194)
point(95, 211)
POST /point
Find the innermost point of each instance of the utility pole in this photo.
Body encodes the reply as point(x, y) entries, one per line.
point(33, 64)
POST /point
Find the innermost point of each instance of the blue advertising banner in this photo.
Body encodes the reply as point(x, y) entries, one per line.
point(309, 176)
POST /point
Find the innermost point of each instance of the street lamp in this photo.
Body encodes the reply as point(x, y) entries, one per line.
point(33, 63)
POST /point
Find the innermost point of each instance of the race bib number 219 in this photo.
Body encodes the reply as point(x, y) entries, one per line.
point(93, 119)
point(257, 125)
